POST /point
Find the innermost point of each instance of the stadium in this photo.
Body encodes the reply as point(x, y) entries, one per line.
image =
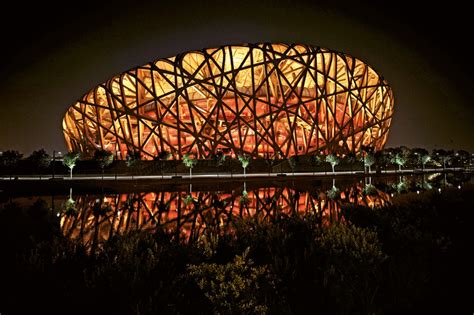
point(264, 100)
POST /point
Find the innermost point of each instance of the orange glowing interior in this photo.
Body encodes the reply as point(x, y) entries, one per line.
point(266, 100)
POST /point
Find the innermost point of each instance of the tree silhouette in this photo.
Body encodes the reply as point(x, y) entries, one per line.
point(270, 161)
point(219, 159)
point(10, 159)
point(442, 156)
point(293, 162)
point(316, 159)
point(161, 157)
point(132, 160)
point(104, 158)
point(40, 159)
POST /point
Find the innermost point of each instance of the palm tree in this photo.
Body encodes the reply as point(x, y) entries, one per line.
point(70, 160)
point(244, 160)
point(333, 160)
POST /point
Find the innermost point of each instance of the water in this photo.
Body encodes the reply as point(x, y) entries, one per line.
point(211, 209)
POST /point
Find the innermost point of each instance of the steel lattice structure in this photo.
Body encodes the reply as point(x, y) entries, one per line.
point(266, 100)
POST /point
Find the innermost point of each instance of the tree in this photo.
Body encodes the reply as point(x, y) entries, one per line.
point(333, 160)
point(369, 189)
point(10, 159)
point(270, 161)
point(132, 160)
point(293, 162)
point(161, 157)
point(316, 159)
point(70, 160)
point(219, 159)
point(40, 159)
point(69, 207)
point(399, 159)
point(386, 155)
point(400, 186)
point(369, 160)
point(425, 158)
point(351, 159)
point(416, 156)
point(462, 157)
point(244, 160)
point(333, 193)
point(441, 156)
point(104, 158)
point(189, 160)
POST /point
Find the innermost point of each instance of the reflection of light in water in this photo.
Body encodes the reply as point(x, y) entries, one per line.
point(99, 219)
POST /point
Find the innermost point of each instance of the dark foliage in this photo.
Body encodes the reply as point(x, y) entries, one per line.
point(410, 257)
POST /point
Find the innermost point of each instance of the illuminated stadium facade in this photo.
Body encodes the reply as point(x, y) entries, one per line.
point(265, 100)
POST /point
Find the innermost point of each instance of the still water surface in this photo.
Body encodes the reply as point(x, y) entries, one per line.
point(194, 214)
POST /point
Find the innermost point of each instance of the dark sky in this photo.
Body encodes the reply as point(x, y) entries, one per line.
point(54, 54)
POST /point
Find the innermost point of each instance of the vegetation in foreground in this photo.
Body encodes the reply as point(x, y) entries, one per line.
point(412, 256)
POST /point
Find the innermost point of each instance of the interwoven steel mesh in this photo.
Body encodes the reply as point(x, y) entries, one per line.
point(266, 100)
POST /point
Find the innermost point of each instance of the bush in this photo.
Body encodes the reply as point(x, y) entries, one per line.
point(237, 287)
point(351, 259)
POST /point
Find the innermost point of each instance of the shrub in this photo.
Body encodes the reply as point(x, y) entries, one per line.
point(237, 287)
point(351, 259)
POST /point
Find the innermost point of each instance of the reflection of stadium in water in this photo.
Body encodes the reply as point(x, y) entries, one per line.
point(96, 219)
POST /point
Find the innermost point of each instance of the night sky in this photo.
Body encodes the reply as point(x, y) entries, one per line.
point(53, 55)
